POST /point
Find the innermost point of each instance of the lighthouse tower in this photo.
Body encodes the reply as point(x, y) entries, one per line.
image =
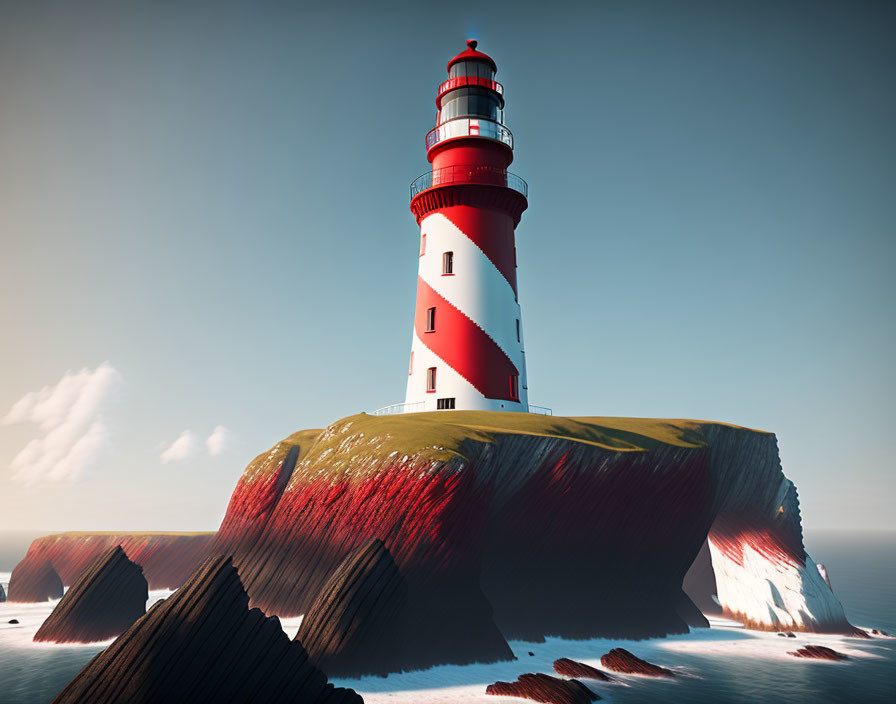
point(467, 350)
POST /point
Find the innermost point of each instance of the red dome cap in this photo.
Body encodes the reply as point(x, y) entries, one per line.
point(470, 54)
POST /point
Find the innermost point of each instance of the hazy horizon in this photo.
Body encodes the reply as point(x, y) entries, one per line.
point(206, 241)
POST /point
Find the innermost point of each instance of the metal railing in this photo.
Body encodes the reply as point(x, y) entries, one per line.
point(397, 408)
point(469, 127)
point(541, 410)
point(469, 173)
point(463, 81)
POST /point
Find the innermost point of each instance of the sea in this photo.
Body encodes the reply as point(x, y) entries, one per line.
point(723, 663)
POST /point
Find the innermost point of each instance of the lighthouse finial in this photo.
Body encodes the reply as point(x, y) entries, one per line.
point(472, 43)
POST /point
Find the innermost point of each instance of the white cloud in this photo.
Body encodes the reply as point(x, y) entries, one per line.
point(183, 448)
point(218, 441)
point(71, 416)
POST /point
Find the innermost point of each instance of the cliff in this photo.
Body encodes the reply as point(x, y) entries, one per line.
point(104, 602)
point(167, 559)
point(204, 644)
point(34, 580)
point(531, 525)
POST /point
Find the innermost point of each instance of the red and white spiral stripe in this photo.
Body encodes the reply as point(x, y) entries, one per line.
point(476, 344)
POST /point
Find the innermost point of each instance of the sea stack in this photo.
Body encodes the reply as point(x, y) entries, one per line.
point(103, 603)
point(204, 644)
point(34, 581)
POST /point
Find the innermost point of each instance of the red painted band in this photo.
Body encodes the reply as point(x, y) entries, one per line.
point(463, 345)
point(492, 232)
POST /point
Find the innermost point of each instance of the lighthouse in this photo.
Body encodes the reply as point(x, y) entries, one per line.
point(467, 350)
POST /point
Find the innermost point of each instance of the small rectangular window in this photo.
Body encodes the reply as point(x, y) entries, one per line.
point(445, 404)
point(422, 244)
point(431, 319)
point(515, 387)
point(518, 330)
point(448, 263)
point(411, 365)
point(430, 380)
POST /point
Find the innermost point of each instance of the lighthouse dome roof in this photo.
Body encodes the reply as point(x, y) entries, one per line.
point(470, 54)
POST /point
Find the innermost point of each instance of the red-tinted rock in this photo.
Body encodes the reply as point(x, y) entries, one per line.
point(357, 624)
point(34, 581)
point(818, 652)
point(621, 660)
point(103, 603)
point(204, 644)
point(167, 559)
point(572, 668)
point(544, 688)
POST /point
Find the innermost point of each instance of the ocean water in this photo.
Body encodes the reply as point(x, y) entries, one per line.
point(724, 663)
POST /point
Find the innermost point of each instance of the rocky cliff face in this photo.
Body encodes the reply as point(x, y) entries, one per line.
point(204, 644)
point(33, 581)
point(575, 527)
point(104, 602)
point(167, 559)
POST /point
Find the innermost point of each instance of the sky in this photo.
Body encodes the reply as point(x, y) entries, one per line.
point(205, 241)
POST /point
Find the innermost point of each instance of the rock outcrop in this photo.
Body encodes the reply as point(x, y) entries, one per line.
point(2, 594)
point(204, 644)
point(34, 581)
point(544, 688)
point(359, 624)
point(621, 660)
point(167, 559)
point(486, 514)
point(579, 670)
point(104, 602)
point(818, 652)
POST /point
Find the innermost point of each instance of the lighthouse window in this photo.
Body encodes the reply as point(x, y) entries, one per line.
point(518, 330)
point(431, 319)
point(411, 365)
point(422, 244)
point(515, 387)
point(445, 404)
point(431, 379)
point(448, 263)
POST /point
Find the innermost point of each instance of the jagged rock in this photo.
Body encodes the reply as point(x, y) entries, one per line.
point(572, 668)
point(2, 593)
point(782, 635)
point(354, 627)
point(34, 581)
point(790, 634)
point(204, 644)
point(879, 632)
point(13, 621)
point(103, 603)
point(544, 688)
point(621, 660)
point(167, 559)
point(818, 652)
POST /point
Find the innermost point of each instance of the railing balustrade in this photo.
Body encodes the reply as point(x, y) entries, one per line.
point(469, 174)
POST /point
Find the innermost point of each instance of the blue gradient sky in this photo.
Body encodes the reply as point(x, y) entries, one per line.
point(212, 197)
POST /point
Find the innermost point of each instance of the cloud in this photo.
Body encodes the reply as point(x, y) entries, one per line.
point(218, 441)
point(183, 448)
point(71, 416)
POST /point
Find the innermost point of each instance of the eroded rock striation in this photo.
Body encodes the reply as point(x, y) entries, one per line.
point(544, 688)
point(572, 668)
point(621, 660)
point(167, 559)
point(204, 644)
point(104, 602)
point(359, 623)
point(34, 581)
point(818, 652)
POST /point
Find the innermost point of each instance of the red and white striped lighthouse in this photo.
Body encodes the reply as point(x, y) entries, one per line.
point(467, 351)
